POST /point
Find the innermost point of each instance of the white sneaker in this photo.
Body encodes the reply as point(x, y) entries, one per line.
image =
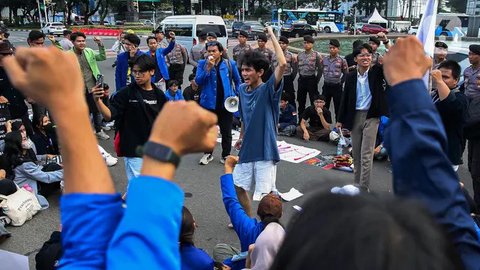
point(222, 160)
point(106, 128)
point(111, 161)
point(206, 159)
point(102, 135)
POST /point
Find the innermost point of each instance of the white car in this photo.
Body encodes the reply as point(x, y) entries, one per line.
point(54, 28)
point(413, 30)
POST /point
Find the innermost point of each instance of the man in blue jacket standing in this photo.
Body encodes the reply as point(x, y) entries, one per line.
point(158, 55)
point(123, 71)
point(218, 78)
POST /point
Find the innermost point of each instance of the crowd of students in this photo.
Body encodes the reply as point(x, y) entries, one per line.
point(425, 138)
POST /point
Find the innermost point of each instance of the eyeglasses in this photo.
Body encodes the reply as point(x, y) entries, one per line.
point(138, 72)
point(365, 55)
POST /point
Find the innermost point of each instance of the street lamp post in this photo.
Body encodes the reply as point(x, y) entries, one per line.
point(243, 11)
point(40, 14)
point(278, 22)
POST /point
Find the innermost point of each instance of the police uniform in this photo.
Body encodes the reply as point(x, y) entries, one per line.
point(309, 70)
point(176, 61)
point(333, 69)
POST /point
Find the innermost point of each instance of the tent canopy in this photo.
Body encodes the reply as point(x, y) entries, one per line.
point(376, 18)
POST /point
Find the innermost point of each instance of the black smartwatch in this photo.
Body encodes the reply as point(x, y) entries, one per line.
point(161, 152)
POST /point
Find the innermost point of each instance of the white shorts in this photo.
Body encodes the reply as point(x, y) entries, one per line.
point(264, 173)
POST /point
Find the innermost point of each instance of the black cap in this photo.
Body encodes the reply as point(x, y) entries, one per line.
point(158, 31)
point(335, 42)
point(474, 48)
point(284, 39)
point(243, 33)
point(263, 37)
point(375, 40)
point(211, 34)
point(308, 38)
point(440, 44)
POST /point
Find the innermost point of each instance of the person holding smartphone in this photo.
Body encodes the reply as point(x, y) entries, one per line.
point(87, 58)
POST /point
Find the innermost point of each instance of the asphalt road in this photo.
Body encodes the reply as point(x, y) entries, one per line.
point(201, 184)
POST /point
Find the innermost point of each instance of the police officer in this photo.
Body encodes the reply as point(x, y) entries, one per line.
point(440, 55)
point(176, 60)
point(197, 52)
point(269, 54)
point(310, 72)
point(472, 130)
point(334, 71)
point(242, 48)
point(290, 72)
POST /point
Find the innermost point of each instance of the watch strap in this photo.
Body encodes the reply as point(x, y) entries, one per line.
point(161, 152)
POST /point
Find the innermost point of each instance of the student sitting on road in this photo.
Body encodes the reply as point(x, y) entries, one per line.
point(173, 93)
point(192, 92)
point(22, 162)
point(192, 257)
point(248, 229)
point(319, 119)
point(287, 124)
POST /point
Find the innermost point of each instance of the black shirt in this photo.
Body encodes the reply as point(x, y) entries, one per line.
point(220, 93)
point(452, 110)
point(189, 94)
point(133, 121)
point(45, 144)
point(16, 101)
point(311, 115)
point(350, 60)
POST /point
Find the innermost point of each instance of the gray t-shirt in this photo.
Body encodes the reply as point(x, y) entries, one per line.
point(87, 73)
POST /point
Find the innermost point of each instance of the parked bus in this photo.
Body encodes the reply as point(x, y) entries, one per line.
point(329, 21)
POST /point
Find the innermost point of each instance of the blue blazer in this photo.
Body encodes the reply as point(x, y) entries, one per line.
point(208, 82)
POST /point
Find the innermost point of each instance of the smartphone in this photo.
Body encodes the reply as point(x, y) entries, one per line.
point(100, 80)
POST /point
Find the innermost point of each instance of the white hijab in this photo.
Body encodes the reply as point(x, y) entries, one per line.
point(266, 246)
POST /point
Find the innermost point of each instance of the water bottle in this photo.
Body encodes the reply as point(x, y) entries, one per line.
point(340, 145)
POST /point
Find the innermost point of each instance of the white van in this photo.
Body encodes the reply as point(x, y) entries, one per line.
point(187, 28)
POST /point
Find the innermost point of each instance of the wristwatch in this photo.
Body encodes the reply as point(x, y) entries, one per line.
point(161, 152)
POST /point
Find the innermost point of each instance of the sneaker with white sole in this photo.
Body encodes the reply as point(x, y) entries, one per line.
point(111, 161)
point(222, 160)
point(102, 135)
point(206, 159)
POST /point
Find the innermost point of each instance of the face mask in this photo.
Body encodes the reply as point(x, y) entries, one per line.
point(50, 127)
point(27, 144)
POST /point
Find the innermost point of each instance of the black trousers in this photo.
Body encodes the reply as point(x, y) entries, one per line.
point(289, 89)
point(334, 91)
point(92, 109)
point(225, 121)
point(306, 84)
point(474, 167)
point(175, 71)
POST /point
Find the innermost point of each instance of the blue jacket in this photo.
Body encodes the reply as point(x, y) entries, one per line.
point(287, 117)
point(98, 234)
point(178, 95)
point(247, 228)
point(162, 65)
point(208, 82)
point(417, 146)
point(195, 259)
point(121, 70)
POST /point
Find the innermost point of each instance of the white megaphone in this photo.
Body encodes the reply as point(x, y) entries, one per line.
point(231, 104)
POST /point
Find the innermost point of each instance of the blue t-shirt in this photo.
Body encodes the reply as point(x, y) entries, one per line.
point(259, 110)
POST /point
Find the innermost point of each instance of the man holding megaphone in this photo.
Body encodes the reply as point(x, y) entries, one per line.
point(218, 78)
